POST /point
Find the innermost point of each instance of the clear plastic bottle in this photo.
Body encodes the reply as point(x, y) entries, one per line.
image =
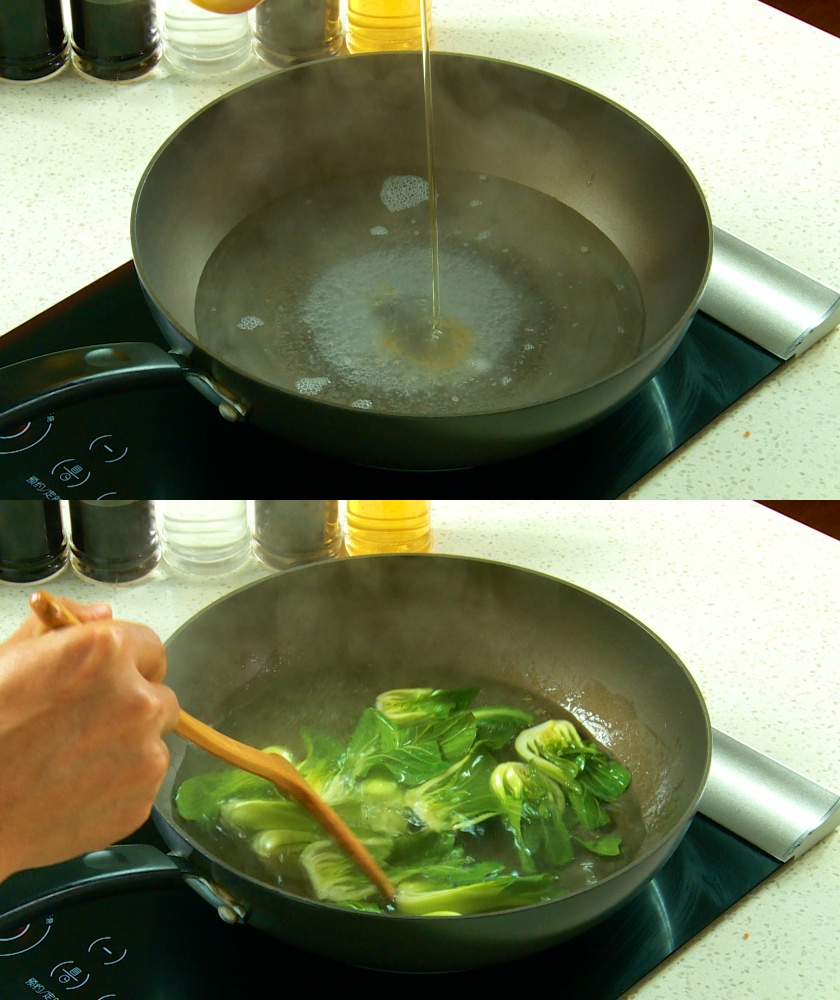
point(377, 25)
point(199, 41)
point(33, 41)
point(388, 526)
point(206, 537)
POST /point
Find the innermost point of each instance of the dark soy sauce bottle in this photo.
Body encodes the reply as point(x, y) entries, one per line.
point(114, 39)
point(33, 41)
point(32, 541)
point(113, 541)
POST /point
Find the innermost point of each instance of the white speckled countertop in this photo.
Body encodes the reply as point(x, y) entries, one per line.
point(747, 95)
point(747, 598)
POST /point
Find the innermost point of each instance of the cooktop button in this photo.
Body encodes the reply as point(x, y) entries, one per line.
point(25, 436)
point(71, 473)
point(110, 450)
point(24, 938)
point(106, 951)
point(70, 975)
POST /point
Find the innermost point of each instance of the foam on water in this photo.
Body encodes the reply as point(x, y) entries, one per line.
point(402, 191)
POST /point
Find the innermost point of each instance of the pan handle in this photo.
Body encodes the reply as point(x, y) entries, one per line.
point(34, 387)
point(32, 895)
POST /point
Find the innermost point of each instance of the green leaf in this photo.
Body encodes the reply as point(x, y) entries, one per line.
point(498, 893)
point(497, 725)
point(246, 816)
point(459, 797)
point(533, 812)
point(198, 798)
point(412, 705)
point(607, 847)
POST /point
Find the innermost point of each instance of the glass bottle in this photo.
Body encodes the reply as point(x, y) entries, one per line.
point(288, 532)
point(113, 541)
point(33, 545)
point(291, 31)
point(33, 40)
point(200, 41)
point(114, 39)
point(377, 25)
point(207, 537)
point(388, 526)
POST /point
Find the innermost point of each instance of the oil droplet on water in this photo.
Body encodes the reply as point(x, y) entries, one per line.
point(443, 346)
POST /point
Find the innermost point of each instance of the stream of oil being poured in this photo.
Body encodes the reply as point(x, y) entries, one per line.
point(428, 110)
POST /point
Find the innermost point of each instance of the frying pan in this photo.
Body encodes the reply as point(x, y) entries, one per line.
point(575, 244)
point(313, 645)
point(323, 640)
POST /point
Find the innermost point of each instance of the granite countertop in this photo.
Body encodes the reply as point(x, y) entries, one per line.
point(746, 94)
point(747, 598)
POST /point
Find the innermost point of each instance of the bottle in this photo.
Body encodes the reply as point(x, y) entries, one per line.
point(113, 541)
point(207, 537)
point(198, 41)
point(33, 545)
point(114, 39)
point(291, 31)
point(288, 532)
point(388, 526)
point(376, 25)
point(33, 40)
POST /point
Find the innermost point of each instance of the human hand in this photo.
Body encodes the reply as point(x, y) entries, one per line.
point(82, 712)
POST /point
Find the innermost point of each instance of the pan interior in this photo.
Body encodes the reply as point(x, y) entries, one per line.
point(327, 292)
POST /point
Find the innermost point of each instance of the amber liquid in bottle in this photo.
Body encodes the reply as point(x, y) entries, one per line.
point(377, 25)
point(388, 526)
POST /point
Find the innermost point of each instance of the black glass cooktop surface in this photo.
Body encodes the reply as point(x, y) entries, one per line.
point(160, 941)
point(172, 442)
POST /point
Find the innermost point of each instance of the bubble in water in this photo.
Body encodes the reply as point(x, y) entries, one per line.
point(378, 230)
point(401, 191)
point(584, 249)
point(483, 235)
point(475, 203)
point(249, 323)
point(311, 386)
point(506, 379)
point(362, 404)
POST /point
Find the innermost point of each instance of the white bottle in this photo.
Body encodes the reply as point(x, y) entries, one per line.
point(207, 537)
point(198, 41)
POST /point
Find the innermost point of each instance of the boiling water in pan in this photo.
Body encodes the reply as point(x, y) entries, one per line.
point(326, 292)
